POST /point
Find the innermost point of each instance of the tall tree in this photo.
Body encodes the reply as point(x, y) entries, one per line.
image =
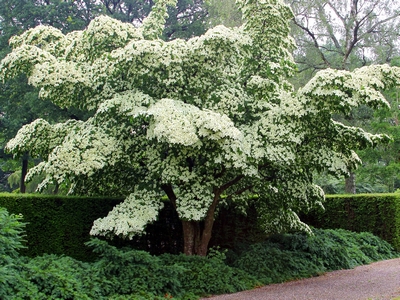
point(204, 121)
point(19, 103)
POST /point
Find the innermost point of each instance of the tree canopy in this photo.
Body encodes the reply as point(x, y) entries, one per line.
point(206, 121)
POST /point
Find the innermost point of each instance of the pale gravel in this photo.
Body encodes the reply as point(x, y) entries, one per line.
point(380, 280)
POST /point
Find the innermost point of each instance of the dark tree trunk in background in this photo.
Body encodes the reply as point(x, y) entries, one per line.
point(350, 187)
point(55, 191)
point(22, 188)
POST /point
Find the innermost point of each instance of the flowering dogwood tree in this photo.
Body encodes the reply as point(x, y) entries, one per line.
point(204, 121)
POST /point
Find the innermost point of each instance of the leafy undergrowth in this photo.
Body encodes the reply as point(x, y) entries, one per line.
point(292, 256)
point(121, 274)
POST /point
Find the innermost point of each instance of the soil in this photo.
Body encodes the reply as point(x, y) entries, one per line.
point(380, 280)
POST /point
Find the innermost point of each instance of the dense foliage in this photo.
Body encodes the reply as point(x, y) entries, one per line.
point(193, 120)
point(134, 274)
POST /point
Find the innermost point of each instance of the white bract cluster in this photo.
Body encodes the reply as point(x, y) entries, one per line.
point(130, 217)
point(201, 120)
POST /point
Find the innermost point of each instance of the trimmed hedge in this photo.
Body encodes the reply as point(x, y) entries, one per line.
point(61, 225)
point(375, 213)
point(57, 224)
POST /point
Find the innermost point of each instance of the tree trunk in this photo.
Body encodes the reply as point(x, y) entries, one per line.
point(24, 170)
point(197, 235)
point(191, 237)
point(350, 187)
point(55, 191)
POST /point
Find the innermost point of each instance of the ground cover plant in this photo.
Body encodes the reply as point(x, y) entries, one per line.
point(201, 122)
point(133, 274)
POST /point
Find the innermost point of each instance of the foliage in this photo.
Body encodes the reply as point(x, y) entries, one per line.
point(10, 234)
point(185, 20)
point(134, 274)
point(128, 271)
point(60, 277)
point(348, 35)
point(11, 241)
point(272, 264)
point(210, 276)
point(14, 181)
point(19, 103)
point(192, 120)
point(60, 225)
point(292, 256)
point(381, 164)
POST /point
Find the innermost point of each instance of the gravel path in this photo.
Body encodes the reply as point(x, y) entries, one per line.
point(380, 280)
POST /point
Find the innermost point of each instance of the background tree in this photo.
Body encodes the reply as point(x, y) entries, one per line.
point(206, 121)
point(345, 34)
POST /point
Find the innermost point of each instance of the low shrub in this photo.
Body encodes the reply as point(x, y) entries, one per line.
point(60, 277)
point(270, 263)
point(128, 271)
point(210, 275)
point(291, 256)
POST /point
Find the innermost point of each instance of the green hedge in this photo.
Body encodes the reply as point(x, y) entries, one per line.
point(61, 225)
point(57, 224)
point(375, 213)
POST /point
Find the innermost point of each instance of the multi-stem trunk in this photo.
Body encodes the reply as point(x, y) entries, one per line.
point(197, 235)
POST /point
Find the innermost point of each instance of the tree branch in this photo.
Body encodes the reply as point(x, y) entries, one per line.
point(167, 188)
point(314, 39)
point(321, 13)
point(230, 183)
